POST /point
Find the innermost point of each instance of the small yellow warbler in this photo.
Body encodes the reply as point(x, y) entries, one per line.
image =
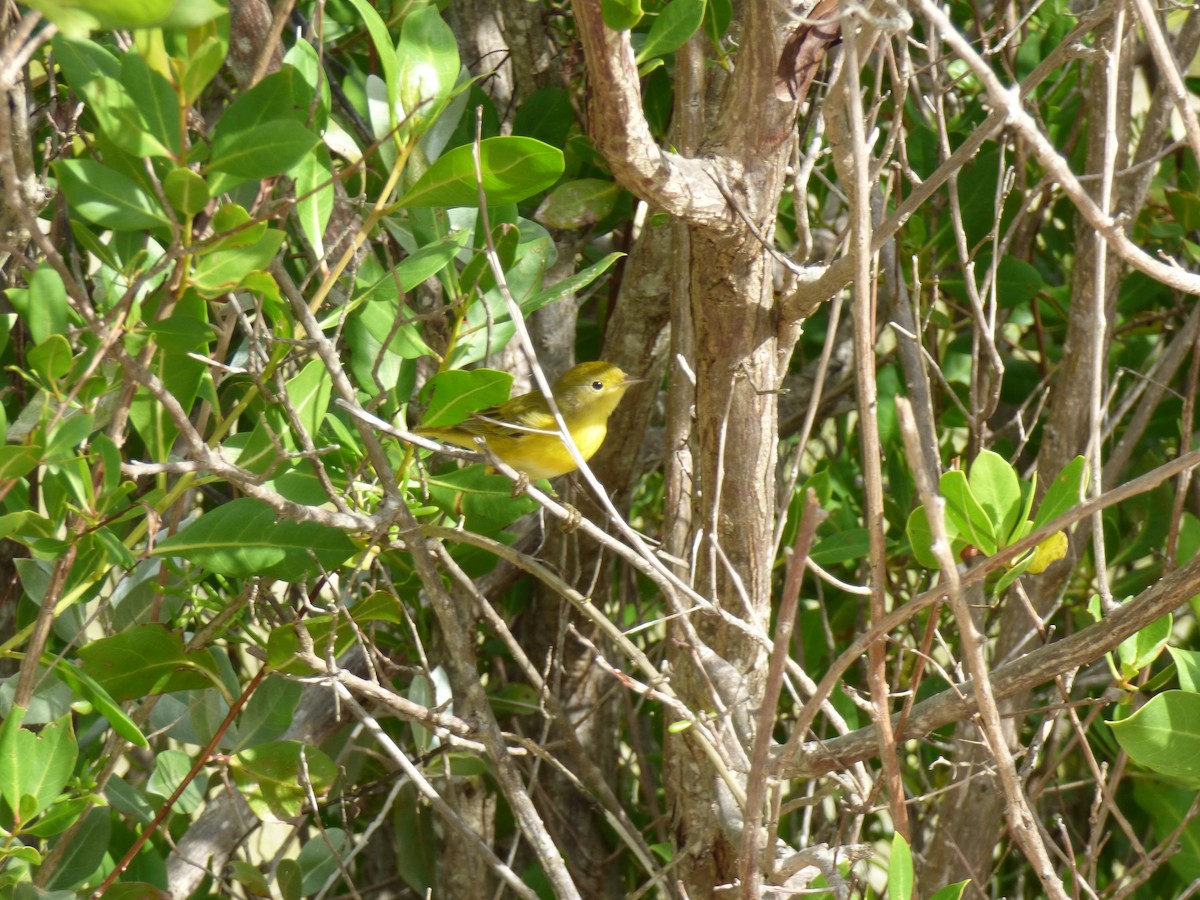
point(522, 433)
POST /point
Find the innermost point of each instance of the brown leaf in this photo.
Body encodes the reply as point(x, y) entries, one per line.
point(804, 50)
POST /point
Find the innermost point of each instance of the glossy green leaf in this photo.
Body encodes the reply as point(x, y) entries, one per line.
point(82, 60)
point(263, 151)
point(284, 643)
point(83, 685)
point(202, 64)
point(314, 196)
point(484, 499)
point(275, 781)
point(218, 272)
point(570, 285)
point(1143, 647)
point(385, 50)
point(43, 307)
point(678, 21)
point(186, 191)
point(76, 17)
point(995, 485)
point(156, 102)
point(429, 260)
point(144, 660)
point(17, 460)
point(900, 870)
point(951, 891)
point(578, 204)
point(454, 395)
point(52, 358)
point(36, 765)
point(59, 817)
point(1187, 665)
point(428, 58)
point(319, 859)
point(1064, 493)
point(971, 520)
point(84, 852)
point(621, 15)
point(106, 197)
point(1164, 735)
point(514, 168)
point(244, 537)
point(171, 768)
point(120, 118)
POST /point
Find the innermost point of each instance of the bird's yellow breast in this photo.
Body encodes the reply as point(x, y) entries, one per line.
point(544, 458)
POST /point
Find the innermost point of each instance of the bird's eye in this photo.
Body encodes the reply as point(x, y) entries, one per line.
point(597, 385)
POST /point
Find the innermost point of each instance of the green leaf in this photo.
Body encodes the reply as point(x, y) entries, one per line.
point(514, 168)
point(1164, 735)
point(43, 307)
point(289, 878)
point(900, 870)
point(82, 60)
point(17, 460)
point(485, 500)
point(314, 196)
point(678, 21)
point(546, 114)
point(86, 851)
point(578, 204)
point(1169, 808)
point(309, 392)
point(76, 16)
point(845, 546)
point(1064, 493)
point(1187, 664)
point(144, 660)
point(275, 781)
point(1143, 647)
point(621, 15)
point(970, 519)
point(430, 259)
point(218, 272)
point(59, 817)
point(87, 688)
point(951, 891)
point(996, 486)
point(156, 102)
point(105, 197)
point(506, 239)
point(428, 58)
point(243, 538)
point(186, 191)
point(51, 359)
point(202, 64)
point(34, 765)
point(920, 538)
point(283, 643)
point(262, 151)
point(452, 396)
point(319, 859)
point(269, 713)
point(386, 53)
point(120, 118)
point(1017, 282)
point(171, 768)
point(570, 285)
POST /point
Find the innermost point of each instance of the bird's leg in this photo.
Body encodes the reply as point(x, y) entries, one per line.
point(573, 520)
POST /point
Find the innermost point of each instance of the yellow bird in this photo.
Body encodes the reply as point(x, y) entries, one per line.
point(521, 431)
